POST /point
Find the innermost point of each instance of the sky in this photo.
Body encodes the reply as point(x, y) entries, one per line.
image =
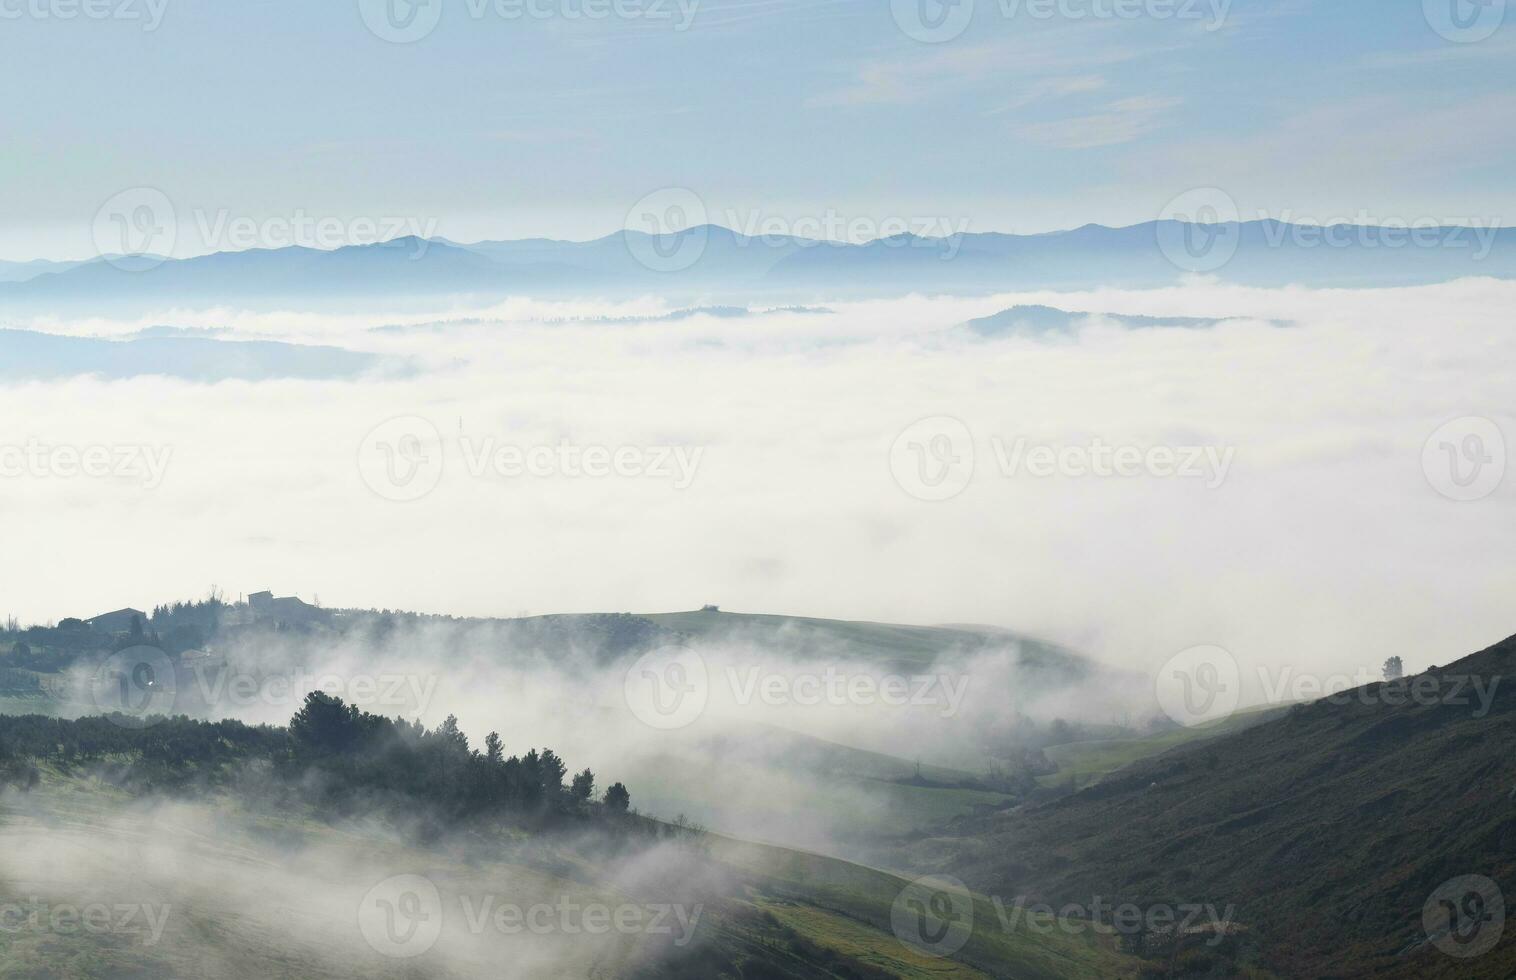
point(509, 119)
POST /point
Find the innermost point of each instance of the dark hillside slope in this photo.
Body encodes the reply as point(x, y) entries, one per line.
point(1329, 828)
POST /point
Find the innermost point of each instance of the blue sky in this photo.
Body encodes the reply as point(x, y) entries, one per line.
point(1035, 115)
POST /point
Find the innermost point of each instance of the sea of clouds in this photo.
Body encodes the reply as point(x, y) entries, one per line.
point(766, 463)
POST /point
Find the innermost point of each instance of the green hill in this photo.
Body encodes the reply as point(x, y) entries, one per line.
point(238, 887)
point(752, 779)
point(899, 647)
point(1082, 764)
point(1330, 828)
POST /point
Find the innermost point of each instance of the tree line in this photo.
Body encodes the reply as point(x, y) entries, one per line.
point(346, 757)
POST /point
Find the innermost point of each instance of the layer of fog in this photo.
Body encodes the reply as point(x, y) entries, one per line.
point(238, 886)
point(1325, 549)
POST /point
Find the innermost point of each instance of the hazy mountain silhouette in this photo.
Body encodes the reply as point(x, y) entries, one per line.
point(709, 260)
point(1035, 320)
point(30, 356)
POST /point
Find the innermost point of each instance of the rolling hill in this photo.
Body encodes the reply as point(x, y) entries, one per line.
point(1331, 828)
point(886, 644)
point(226, 885)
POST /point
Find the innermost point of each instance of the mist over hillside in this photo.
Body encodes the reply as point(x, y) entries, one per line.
point(856, 733)
point(757, 490)
point(1379, 803)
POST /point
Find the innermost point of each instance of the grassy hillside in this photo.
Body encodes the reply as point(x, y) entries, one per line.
point(242, 888)
point(1330, 828)
point(901, 647)
point(807, 791)
point(865, 897)
point(1082, 764)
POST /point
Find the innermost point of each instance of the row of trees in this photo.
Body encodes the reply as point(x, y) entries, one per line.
point(346, 757)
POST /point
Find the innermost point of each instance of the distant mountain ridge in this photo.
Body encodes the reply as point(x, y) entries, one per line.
point(1036, 320)
point(30, 356)
point(712, 262)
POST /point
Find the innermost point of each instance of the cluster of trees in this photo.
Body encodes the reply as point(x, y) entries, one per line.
point(345, 756)
point(164, 755)
point(367, 754)
point(203, 617)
